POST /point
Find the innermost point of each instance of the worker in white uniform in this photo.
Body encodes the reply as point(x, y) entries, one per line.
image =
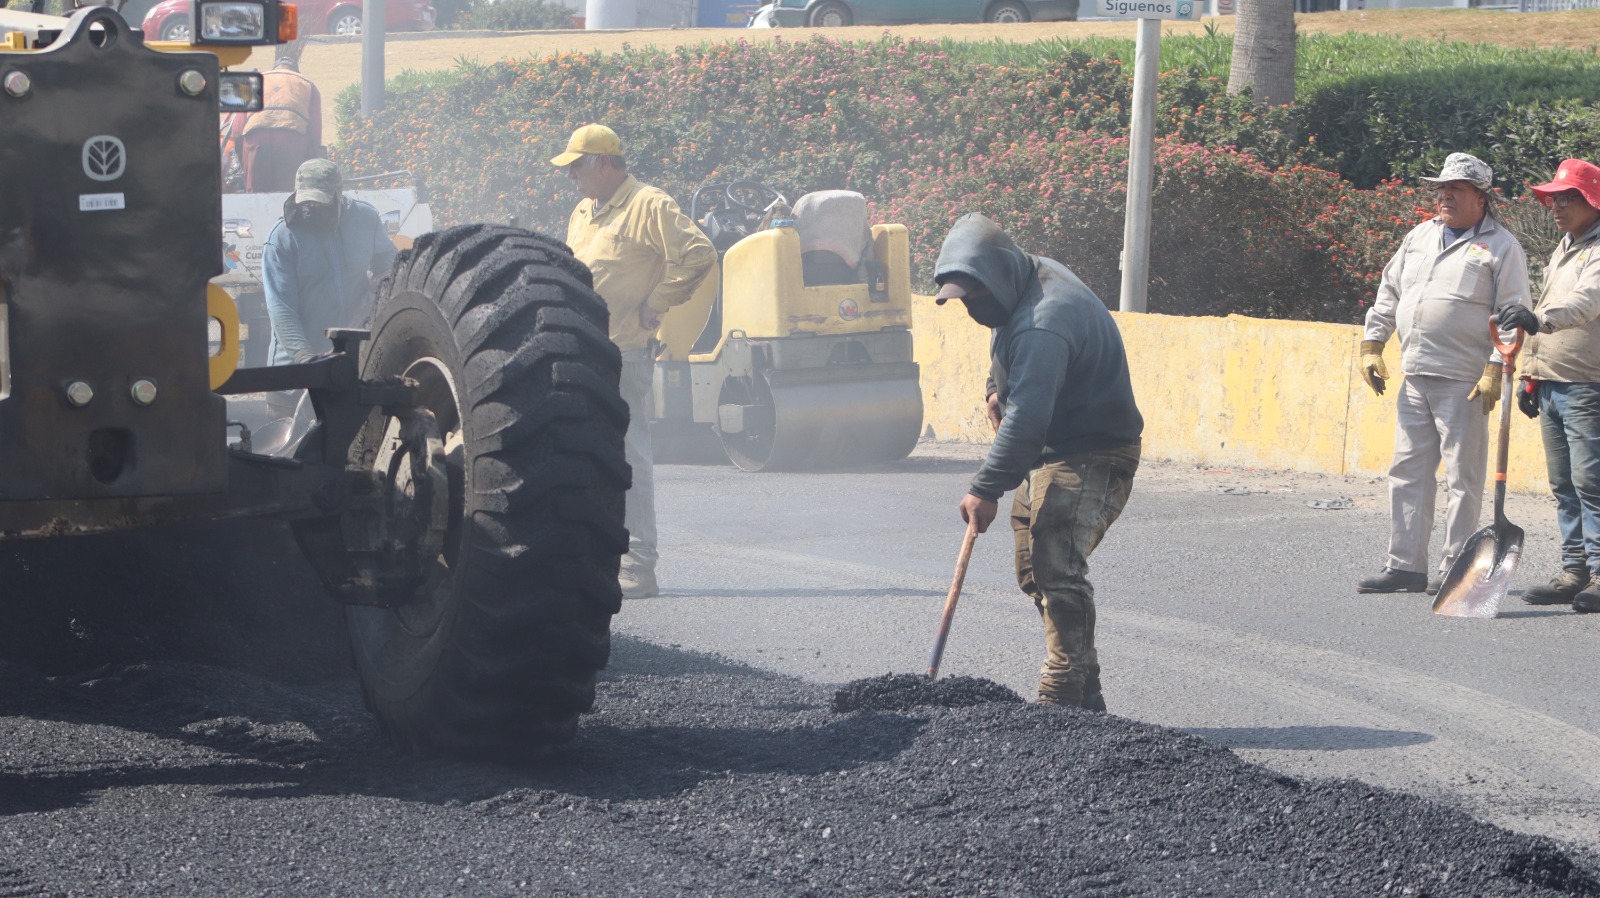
point(1451, 273)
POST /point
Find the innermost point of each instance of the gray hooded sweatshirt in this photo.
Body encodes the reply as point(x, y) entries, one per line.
point(1058, 363)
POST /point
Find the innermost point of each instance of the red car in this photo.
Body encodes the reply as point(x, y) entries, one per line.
point(169, 19)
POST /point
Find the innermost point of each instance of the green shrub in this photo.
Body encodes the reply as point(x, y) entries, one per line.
point(1252, 216)
point(1535, 229)
point(803, 116)
point(1379, 107)
point(1228, 234)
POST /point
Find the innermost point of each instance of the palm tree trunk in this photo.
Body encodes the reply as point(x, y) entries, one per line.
point(1263, 51)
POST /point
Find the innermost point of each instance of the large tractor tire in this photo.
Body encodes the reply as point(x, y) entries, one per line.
point(496, 655)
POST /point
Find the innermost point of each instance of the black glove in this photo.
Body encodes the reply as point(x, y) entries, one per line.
point(1528, 397)
point(1519, 316)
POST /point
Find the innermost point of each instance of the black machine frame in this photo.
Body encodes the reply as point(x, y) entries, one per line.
point(107, 418)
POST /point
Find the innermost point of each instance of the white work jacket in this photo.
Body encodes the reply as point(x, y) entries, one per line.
point(1567, 347)
point(1440, 298)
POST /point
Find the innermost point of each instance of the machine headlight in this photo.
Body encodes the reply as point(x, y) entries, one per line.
point(243, 22)
point(232, 23)
point(240, 92)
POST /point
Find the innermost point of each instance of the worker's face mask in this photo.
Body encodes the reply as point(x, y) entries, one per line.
point(318, 215)
point(986, 310)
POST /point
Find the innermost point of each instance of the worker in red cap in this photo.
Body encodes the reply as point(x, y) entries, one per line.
point(1563, 370)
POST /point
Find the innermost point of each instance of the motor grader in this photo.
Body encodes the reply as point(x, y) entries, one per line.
point(460, 490)
point(796, 354)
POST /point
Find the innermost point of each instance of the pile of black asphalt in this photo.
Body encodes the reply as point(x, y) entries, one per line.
point(694, 777)
point(899, 692)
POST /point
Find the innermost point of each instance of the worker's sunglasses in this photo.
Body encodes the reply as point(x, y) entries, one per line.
point(1563, 199)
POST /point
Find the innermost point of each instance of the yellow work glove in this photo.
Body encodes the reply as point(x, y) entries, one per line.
point(1488, 387)
point(1372, 369)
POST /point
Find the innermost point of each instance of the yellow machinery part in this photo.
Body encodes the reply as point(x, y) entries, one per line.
point(226, 55)
point(219, 306)
point(767, 296)
point(682, 325)
point(17, 42)
point(815, 406)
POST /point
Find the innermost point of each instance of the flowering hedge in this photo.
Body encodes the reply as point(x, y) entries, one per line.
point(1229, 234)
point(802, 116)
point(1243, 223)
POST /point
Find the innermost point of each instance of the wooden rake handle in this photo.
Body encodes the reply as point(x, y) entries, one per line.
point(950, 600)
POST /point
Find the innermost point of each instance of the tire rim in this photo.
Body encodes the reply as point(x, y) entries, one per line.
point(440, 396)
point(177, 33)
point(347, 25)
point(832, 19)
point(1007, 16)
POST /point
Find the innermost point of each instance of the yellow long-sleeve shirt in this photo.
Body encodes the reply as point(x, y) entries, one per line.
point(643, 251)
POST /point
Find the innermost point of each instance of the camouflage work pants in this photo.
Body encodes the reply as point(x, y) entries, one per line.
point(1059, 515)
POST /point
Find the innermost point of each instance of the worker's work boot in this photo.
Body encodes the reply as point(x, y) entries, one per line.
point(1588, 601)
point(638, 584)
point(1435, 583)
point(1093, 698)
point(1560, 590)
point(1391, 580)
point(1066, 692)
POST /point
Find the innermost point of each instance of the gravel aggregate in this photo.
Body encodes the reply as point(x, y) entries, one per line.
point(695, 777)
point(901, 692)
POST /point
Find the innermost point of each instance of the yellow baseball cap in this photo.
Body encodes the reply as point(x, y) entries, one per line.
point(593, 140)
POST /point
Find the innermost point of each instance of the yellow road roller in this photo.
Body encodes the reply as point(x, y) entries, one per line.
point(796, 353)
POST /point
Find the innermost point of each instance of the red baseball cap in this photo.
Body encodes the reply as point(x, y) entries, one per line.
point(1573, 174)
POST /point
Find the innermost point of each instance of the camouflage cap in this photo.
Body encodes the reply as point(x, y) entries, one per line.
point(316, 181)
point(1464, 167)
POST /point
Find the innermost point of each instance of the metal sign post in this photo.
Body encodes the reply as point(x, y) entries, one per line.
point(1141, 168)
point(1141, 134)
point(372, 34)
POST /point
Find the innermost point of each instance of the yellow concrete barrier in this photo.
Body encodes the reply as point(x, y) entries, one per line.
point(1221, 392)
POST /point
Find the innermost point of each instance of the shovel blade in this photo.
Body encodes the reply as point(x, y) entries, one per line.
point(1481, 574)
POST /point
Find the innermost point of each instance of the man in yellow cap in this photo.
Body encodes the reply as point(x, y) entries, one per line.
point(646, 256)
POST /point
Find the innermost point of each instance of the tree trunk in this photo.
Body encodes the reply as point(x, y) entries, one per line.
point(1263, 51)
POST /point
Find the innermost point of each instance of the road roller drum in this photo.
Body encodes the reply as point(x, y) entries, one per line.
point(798, 354)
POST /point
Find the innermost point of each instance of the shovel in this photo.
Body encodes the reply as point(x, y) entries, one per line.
point(950, 601)
point(1481, 574)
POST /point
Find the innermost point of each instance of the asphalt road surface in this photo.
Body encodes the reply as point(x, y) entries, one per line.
point(207, 761)
point(1226, 608)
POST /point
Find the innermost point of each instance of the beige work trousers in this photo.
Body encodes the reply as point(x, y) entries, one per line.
point(1059, 514)
point(1435, 421)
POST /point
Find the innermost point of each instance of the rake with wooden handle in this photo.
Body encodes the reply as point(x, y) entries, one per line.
point(950, 600)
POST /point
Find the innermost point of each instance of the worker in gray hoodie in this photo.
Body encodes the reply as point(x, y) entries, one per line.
point(1066, 434)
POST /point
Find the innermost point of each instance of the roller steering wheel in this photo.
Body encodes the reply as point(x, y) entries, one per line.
point(752, 196)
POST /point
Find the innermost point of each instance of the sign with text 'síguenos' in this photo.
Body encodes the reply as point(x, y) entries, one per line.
point(1184, 10)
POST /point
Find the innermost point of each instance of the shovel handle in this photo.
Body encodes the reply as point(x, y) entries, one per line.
point(950, 600)
point(1508, 351)
point(1502, 452)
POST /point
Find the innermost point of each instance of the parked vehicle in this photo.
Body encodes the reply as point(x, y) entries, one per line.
point(169, 20)
point(835, 13)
